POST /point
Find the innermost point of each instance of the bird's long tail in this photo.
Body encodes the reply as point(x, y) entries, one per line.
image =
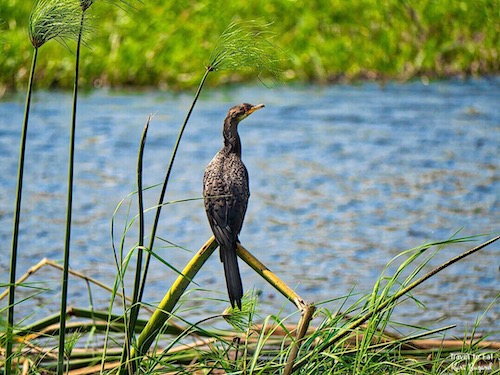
point(232, 274)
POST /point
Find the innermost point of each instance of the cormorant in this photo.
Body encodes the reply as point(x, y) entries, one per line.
point(226, 192)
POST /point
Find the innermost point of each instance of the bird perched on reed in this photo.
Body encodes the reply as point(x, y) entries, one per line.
point(226, 193)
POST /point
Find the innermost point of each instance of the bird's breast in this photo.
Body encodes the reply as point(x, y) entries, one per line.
point(225, 174)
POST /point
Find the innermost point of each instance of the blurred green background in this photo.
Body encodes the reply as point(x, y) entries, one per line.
point(166, 44)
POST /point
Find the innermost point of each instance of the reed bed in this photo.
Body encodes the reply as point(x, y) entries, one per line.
point(354, 338)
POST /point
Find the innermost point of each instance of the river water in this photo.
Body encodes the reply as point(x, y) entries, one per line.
point(343, 178)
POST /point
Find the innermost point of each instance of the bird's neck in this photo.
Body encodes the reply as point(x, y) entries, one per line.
point(232, 143)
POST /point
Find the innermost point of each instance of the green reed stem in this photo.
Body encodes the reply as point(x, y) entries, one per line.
point(140, 249)
point(69, 210)
point(162, 197)
point(17, 215)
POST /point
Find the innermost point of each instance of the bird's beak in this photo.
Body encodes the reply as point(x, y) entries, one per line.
point(255, 108)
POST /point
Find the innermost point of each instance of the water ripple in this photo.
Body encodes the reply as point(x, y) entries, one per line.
point(343, 178)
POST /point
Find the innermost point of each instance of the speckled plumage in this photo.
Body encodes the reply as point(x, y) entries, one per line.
point(226, 193)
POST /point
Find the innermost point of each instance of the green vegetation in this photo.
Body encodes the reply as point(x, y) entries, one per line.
point(354, 337)
point(166, 44)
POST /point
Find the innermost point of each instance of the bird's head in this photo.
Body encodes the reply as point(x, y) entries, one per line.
point(242, 111)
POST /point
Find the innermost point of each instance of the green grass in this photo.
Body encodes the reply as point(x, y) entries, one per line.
point(166, 44)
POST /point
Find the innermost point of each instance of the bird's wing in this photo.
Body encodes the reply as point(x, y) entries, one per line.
point(238, 204)
point(226, 200)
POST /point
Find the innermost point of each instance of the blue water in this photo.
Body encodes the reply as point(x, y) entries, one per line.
point(343, 178)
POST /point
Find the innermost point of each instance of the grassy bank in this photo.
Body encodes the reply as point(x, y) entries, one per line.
point(165, 44)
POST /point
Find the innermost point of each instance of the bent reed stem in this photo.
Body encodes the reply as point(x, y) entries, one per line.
point(307, 309)
point(270, 277)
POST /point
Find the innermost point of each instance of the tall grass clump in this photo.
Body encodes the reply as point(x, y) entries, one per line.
point(49, 19)
point(384, 299)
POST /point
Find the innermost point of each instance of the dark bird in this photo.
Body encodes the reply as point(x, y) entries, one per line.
point(226, 193)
